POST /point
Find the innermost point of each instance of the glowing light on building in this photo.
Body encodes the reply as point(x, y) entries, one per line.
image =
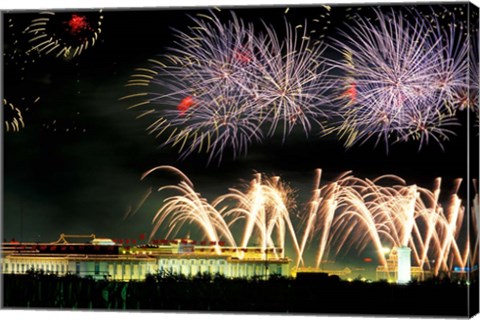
point(404, 265)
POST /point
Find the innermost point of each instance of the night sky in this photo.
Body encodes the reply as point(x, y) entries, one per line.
point(76, 166)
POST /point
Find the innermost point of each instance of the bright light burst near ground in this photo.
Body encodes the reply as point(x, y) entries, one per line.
point(346, 214)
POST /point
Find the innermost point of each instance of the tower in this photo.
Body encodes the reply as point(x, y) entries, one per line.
point(404, 265)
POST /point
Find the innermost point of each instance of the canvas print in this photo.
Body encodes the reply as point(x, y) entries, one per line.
point(291, 159)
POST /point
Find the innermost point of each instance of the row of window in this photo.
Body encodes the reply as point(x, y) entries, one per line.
point(127, 271)
point(16, 267)
point(238, 270)
point(191, 262)
point(191, 270)
point(244, 270)
point(116, 270)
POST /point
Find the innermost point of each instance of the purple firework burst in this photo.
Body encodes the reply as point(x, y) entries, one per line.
point(292, 80)
point(215, 124)
point(400, 79)
point(203, 89)
point(222, 85)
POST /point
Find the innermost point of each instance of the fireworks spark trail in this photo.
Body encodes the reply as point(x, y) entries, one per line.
point(16, 60)
point(264, 208)
point(207, 106)
point(293, 81)
point(472, 247)
point(222, 84)
point(402, 79)
point(430, 211)
point(357, 213)
point(13, 118)
point(318, 26)
point(216, 125)
point(458, 66)
point(452, 65)
point(214, 55)
point(313, 207)
point(170, 169)
point(63, 34)
point(348, 213)
point(132, 211)
point(189, 207)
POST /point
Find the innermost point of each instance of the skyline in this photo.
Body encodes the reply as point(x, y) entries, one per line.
point(93, 172)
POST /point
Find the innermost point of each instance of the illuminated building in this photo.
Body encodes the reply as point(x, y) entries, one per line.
point(338, 272)
point(392, 271)
point(469, 274)
point(105, 259)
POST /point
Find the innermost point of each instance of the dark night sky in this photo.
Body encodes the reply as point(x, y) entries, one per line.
point(83, 180)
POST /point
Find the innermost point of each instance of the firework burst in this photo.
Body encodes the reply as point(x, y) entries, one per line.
point(401, 79)
point(13, 118)
point(207, 104)
point(213, 56)
point(293, 82)
point(64, 34)
point(210, 124)
point(223, 84)
point(458, 66)
point(346, 214)
point(263, 208)
point(215, 125)
point(351, 214)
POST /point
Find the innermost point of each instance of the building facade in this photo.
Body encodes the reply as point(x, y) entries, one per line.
point(104, 259)
point(390, 271)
